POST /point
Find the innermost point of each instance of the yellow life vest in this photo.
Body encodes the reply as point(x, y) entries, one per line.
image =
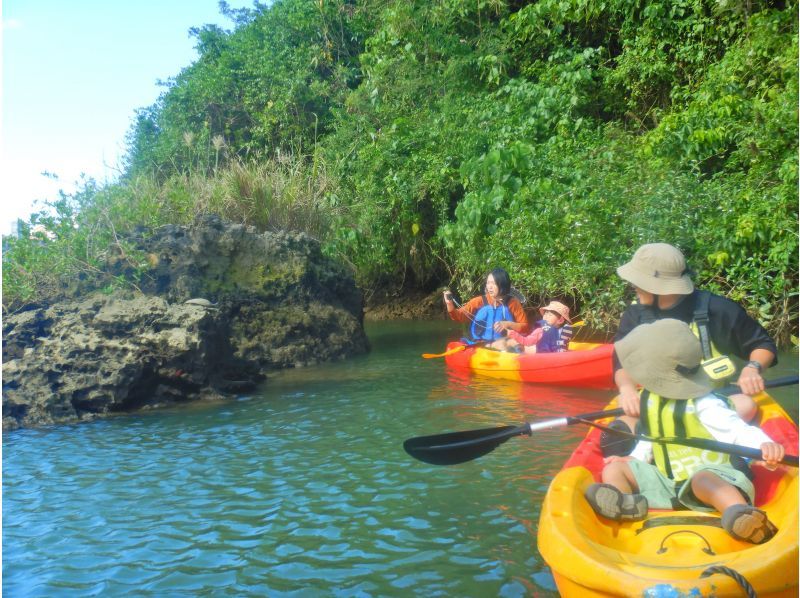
point(665, 418)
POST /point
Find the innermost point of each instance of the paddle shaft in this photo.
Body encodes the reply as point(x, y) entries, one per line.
point(455, 350)
point(774, 383)
point(573, 419)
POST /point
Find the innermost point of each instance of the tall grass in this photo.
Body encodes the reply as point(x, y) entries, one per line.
point(86, 229)
point(281, 194)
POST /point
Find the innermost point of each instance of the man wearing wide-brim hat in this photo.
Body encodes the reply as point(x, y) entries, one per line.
point(664, 289)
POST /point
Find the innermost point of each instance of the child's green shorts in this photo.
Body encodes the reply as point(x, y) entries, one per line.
point(660, 490)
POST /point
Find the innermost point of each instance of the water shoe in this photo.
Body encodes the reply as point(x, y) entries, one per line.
point(607, 501)
point(747, 523)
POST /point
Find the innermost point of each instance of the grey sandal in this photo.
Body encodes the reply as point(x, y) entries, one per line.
point(609, 502)
point(747, 523)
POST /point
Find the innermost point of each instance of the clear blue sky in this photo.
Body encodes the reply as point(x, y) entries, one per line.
point(74, 72)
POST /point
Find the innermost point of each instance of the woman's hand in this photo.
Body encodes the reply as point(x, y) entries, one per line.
point(448, 300)
point(502, 325)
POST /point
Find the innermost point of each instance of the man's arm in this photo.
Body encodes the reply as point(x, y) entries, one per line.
point(735, 332)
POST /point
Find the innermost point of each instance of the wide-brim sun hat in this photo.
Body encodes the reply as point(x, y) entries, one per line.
point(561, 309)
point(665, 358)
point(658, 268)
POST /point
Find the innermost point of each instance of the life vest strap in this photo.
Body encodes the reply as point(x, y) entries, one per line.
point(701, 319)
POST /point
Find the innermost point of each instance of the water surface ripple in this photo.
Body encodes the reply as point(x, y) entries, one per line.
point(301, 489)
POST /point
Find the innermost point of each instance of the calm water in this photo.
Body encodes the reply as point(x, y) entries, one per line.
point(301, 489)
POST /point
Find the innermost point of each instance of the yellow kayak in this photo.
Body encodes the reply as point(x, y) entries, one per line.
point(668, 554)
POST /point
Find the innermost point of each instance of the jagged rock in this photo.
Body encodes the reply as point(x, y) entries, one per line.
point(222, 306)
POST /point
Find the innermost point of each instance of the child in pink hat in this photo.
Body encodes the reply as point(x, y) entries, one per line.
point(553, 333)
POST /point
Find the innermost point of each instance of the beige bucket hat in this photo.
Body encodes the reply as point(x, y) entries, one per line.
point(664, 357)
point(658, 268)
point(561, 309)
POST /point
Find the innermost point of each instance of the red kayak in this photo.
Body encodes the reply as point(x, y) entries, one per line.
point(585, 365)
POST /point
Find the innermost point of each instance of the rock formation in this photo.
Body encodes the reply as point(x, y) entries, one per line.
point(268, 301)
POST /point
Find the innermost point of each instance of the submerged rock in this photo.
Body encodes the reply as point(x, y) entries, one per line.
point(222, 307)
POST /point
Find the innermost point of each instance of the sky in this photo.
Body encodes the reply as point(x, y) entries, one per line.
point(73, 74)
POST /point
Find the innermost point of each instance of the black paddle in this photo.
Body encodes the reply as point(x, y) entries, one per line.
point(706, 444)
point(459, 447)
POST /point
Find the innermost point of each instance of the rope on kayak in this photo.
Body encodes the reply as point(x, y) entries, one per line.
point(458, 305)
point(751, 593)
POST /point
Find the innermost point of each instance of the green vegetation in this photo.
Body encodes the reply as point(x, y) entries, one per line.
point(426, 142)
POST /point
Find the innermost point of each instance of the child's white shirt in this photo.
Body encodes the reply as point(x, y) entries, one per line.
point(722, 422)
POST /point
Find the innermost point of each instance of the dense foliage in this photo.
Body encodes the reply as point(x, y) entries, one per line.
point(426, 142)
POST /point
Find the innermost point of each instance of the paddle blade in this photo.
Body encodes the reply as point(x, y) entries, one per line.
point(459, 447)
point(445, 354)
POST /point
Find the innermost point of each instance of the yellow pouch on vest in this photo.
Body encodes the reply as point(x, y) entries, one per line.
point(719, 368)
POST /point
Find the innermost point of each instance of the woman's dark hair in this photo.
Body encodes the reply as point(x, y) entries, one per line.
point(503, 282)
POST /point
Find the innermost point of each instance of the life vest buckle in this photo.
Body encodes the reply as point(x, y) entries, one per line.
point(719, 368)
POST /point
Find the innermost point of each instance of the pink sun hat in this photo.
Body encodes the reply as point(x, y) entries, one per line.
point(561, 309)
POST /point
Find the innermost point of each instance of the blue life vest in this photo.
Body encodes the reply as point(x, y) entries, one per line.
point(482, 328)
point(554, 340)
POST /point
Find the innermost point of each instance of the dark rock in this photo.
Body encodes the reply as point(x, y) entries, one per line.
point(274, 301)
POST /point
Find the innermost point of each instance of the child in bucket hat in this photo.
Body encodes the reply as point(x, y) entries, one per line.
point(552, 334)
point(664, 357)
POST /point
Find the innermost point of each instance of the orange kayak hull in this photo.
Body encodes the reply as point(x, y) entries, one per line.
point(585, 365)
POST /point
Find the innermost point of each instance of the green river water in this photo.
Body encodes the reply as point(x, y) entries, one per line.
point(299, 489)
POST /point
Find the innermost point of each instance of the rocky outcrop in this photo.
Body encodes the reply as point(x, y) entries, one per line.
point(405, 305)
point(269, 301)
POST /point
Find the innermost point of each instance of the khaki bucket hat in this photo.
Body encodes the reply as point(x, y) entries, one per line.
point(658, 268)
point(561, 309)
point(664, 357)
